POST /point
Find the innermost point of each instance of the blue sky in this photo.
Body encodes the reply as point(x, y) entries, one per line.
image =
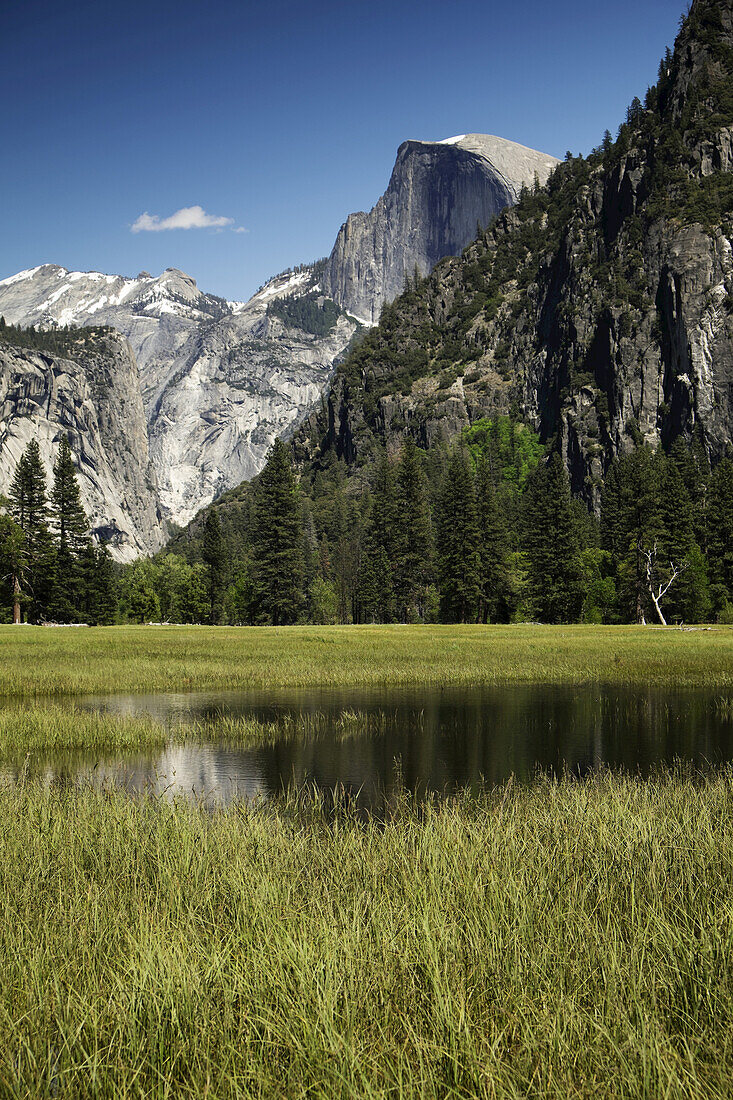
point(278, 119)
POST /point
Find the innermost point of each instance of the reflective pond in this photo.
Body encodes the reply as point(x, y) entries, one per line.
point(429, 739)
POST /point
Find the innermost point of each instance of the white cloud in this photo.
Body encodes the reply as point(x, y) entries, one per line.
point(188, 217)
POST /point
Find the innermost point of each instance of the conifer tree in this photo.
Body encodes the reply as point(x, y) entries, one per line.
point(69, 519)
point(720, 533)
point(72, 529)
point(688, 598)
point(29, 508)
point(104, 599)
point(630, 523)
point(553, 546)
point(493, 548)
point(376, 585)
point(13, 564)
point(215, 560)
point(458, 560)
point(413, 537)
point(276, 539)
point(98, 585)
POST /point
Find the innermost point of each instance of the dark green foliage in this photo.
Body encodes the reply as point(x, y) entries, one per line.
point(379, 548)
point(66, 342)
point(413, 550)
point(457, 539)
point(98, 586)
point(720, 534)
point(630, 523)
point(65, 578)
point(494, 602)
point(276, 540)
point(215, 561)
point(71, 529)
point(553, 545)
point(310, 312)
point(69, 520)
point(13, 568)
point(648, 520)
point(29, 507)
point(138, 596)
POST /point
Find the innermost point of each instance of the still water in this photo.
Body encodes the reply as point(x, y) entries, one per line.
point(429, 739)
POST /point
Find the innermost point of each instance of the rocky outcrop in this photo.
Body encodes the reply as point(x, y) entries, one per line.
point(91, 393)
point(219, 380)
point(437, 194)
point(242, 383)
point(599, 310)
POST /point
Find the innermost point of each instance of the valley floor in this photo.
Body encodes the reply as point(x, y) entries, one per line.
point(76, 660)
point(559, 938)
point(562, 939)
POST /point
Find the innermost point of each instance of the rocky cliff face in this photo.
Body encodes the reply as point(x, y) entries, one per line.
point(92, 393)
point(219, 380)
point(600, 310)
point(240, 384)
point(437, 194)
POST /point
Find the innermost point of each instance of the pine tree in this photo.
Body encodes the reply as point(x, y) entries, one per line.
point(376, 583)
point(215, 560)
point(99, 585)
point(13, 564)
point(458, 560)
point(493, 548)
point(71, 528)
point(553, 546)
point(276, 538)
point(720, 533)
point(630, 523)
point(688, 599)
point(69, 519)
point(413, 537)
point(29, 508)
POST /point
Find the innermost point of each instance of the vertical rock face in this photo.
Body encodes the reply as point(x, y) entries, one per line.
point(601, 309)
point(219, 380)
point(92, 394)
point(437, 194)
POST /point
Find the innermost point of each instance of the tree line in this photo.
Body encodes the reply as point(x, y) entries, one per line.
point(51, 569)
point(483, 530)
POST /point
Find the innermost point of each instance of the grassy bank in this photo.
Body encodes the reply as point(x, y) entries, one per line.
point(49, 728)
point(558, 940)
point(138, 659)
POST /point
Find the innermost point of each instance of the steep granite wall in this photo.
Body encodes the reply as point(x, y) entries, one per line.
point(91, 393)
point(437, 194)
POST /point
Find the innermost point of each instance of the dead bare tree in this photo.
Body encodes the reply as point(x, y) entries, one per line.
point(658, 589)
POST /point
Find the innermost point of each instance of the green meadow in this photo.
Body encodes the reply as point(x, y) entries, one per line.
point(564, 939)
point(555, 939)
point(74, 660)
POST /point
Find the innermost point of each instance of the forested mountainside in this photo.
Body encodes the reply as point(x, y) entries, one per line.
point(599, 309)
point(83, 385)
point(220, 380)
point(584, 343)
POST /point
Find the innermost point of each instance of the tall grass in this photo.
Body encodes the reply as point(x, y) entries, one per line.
point(560, 940)
point(49, 727)
point(140, 659)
